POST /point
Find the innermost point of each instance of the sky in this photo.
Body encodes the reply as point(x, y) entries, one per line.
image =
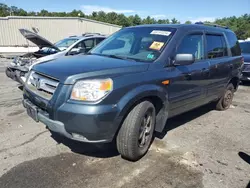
point(193, 10)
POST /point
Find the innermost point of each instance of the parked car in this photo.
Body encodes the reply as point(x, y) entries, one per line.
point(73, 45)
point(245, 47)
point(127, 87)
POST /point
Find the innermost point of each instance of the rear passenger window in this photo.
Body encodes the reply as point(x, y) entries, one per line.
point(98, 40)
point(192, 44)
point(89, 43)
point(216, 46)
point(233, 43)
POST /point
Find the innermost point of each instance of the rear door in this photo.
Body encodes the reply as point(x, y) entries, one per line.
point(220, 63)
point(188, 89)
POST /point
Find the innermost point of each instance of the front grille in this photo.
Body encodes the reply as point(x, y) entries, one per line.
point(42, 85)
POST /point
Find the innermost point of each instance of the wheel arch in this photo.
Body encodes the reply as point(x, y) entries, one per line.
point(157, 95)
point(235, 81)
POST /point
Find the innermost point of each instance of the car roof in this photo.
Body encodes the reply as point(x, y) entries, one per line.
point(188, 26)
point(87, 36)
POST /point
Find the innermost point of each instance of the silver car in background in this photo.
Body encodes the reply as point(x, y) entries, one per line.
point(72, 45)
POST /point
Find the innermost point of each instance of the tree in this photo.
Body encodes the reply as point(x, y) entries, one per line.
point(32, 13)
point(174, 21)
point(75, 13)
point(136, 20)
point(240, 25)
point(4, 10)
point(101, 16)
point(43, 13)
point(149, 20)
point(122, 20)
point(111, 17)
point(14, 11)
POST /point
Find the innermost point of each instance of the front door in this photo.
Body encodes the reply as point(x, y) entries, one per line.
point(188, 88)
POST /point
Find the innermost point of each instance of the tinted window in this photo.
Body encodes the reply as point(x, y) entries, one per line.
point(89, 43)
point(233, 43)
point(192, 44)
point(139, 43)
point(65, 42)
point(82, 47)
point(216, 46)
point(98, 40)
point(245, 47)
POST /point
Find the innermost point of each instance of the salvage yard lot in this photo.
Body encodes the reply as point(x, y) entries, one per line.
point(201, 148)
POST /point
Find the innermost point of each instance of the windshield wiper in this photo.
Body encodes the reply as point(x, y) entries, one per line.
point(115, 56)
point(120, 57)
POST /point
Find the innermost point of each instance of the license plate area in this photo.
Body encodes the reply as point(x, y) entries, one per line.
point(32, 111)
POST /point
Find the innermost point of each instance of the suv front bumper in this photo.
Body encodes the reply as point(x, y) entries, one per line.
point(78, 123)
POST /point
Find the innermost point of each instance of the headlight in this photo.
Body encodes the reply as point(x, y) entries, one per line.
point(91, 90)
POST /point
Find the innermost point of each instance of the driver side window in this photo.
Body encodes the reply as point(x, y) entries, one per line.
point(192, 44)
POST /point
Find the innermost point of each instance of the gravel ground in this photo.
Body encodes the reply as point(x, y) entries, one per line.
point(202, 148)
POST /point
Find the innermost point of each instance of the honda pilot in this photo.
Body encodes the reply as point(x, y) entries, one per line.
point(126, 88)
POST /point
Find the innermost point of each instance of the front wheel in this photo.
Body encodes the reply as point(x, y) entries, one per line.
point(226, 100)
point(136, 133)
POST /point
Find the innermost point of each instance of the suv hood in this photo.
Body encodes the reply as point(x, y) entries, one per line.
point(69, 69)
point(37, 39)
point(246, 57)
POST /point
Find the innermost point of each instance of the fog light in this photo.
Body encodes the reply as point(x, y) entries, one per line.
point(78, 136)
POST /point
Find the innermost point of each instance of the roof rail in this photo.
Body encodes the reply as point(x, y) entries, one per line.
point(90, 34)
point(213, 25)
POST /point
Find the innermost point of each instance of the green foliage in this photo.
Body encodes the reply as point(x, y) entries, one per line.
point(240, 25)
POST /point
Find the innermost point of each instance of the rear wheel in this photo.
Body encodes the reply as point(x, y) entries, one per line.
point(226, 100)
point(136, 133)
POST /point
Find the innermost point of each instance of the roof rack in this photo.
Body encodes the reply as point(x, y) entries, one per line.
point(213, 25)
point(90, 34)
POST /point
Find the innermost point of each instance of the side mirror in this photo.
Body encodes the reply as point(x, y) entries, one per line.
point(184, 59)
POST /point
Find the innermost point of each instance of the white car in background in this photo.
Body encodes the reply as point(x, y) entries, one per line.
point(72, 45)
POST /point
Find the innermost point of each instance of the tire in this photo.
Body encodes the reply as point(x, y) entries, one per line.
point(226, 100)
point(135, 135)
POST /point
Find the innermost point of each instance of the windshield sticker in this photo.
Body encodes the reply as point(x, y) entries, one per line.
point(150, 56)
point(156, 45)
point(159, 32)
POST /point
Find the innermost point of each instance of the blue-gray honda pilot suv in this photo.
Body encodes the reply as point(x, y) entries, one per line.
point(127, 87)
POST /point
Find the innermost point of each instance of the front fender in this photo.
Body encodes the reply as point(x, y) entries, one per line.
point(146, 91)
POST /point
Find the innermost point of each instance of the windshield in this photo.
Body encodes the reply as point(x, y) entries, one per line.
point(138, 43)
point(65, 42)
point(245, 47)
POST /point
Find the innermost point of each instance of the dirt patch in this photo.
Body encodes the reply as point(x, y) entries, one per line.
point(73, 170)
